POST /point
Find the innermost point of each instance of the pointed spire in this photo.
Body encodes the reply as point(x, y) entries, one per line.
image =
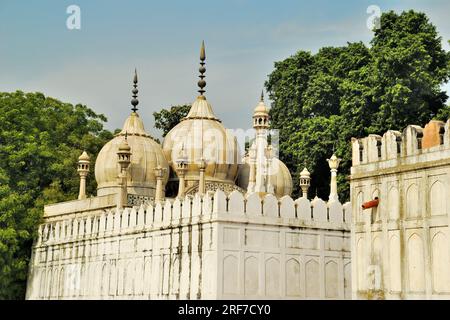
point(135, 91)
point(202, 70)
point(262, 95)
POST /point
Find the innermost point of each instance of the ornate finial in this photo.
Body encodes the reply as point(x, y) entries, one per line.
point(262, 96)
point(135, 101)
point(333, 162)
point(202, 70)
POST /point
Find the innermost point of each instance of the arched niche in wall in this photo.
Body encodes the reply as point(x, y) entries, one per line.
point(438, 199)
point(272, 276)
point(312, 279)
point(230, 274)
point(393, 203)
point(251, 276)
point(412, 201)
point(105, 280)
point(416, 264)
point(377, 251)
point(293, 278)
point(175, 276)
point(359, 210)
point(361, 264)
point(440, 263)
point(331, 280)
point(395, 264)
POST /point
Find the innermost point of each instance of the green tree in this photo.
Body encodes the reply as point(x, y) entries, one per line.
point(41, 139)
point(166, 119)
point(321, 101)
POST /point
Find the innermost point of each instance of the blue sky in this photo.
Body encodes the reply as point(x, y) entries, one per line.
point(243, 38)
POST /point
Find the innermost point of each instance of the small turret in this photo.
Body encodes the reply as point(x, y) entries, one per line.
point(83, 171)
point(305, 182)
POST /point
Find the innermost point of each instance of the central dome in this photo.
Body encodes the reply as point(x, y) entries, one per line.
point(201, 135)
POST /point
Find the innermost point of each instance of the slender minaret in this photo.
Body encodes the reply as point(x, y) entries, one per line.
point(182, 163)
point(305, 182)
point(124, 160)
point(261, 126)
point(333, 162)
point(83, 171)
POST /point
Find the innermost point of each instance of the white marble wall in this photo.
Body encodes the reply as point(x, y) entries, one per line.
point(188, 249)
point(401, 250)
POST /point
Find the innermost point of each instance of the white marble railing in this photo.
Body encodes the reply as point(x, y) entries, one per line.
point(177, 211)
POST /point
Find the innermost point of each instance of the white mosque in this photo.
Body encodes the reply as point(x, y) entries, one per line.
point(197, 219)
point(228, 229)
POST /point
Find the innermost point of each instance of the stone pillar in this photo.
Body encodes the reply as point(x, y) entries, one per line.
point(305, 182)
point(201, 183)
point(269, 156)
point(181, 172)
point(83, 170)
point(333, 162)
point(159, 173)
point(252, 173)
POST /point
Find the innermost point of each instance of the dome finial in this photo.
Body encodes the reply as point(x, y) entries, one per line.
point(135, 101)
point(202, 69)
point(262, 95)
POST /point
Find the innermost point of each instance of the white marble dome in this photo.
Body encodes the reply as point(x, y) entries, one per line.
point(202, 130)
point(146, 155)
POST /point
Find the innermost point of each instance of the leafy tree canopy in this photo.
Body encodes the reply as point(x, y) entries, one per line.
point(166, 119)
point(322, 100)
point(41, 139)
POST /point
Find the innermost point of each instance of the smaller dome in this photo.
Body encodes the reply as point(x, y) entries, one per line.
point(124, 146)
point(261, 115)
point(84, 157)
point(134, 125)
point(260, 109)
point(280, 178)
point(305, 173)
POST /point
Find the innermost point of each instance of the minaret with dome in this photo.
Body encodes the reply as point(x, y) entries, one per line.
point(262, 172)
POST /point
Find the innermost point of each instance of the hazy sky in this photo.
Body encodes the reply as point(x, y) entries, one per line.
point(94, 65)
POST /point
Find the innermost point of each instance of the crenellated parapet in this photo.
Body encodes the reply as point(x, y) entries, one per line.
point(396, 148)
point(399, 193)
point(211, 207)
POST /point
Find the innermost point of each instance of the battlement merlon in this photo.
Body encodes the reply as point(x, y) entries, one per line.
point(411, 148)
